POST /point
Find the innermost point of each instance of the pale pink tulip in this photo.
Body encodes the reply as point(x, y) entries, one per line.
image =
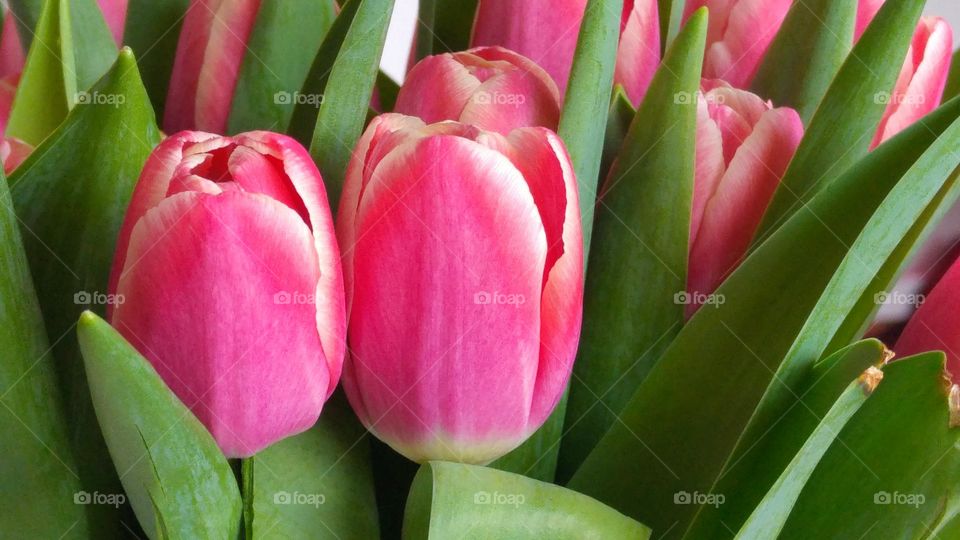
point(936, 324)
point(492, 88)
point(743, 148)
point(227, 279)
point(115, 14)
point(739, 33)
point(212, 45)
point(463, 267)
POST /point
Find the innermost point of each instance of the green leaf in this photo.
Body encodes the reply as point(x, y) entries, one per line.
point(453, 25)
point(843, 127)
point(451, 500)
point(584, 117)
point(317, 483)
point(618, 123)
point(387, 91)
point(953, 81)
point(26, 14)
point(729, 369)
point(641, 250)
point(72, 50)
point(671, 14)
point(423, 44)
point(38, 470)
point(792, 437)
point(807, 53)
point(346, 95)
point(152, 31)
point(178, 481)
point(891, 473)
point(70, 196)
point(280, 51)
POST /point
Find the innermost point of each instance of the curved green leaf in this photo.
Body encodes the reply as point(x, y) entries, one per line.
point(641, 251)
point(317, 483)
point(152, 31)
point(179, 483)
point(843, 127)
point(450, 500)
point(803, 59)
point(72, 50)
point(280, 52)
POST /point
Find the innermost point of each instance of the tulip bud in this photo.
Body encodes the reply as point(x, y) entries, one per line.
point(489, 87)
point(211, 48)
point(463, 265)
point(744, 146)
point(935, 325)
point(739, 33)
point(227, 279)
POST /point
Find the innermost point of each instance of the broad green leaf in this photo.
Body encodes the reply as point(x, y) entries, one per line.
point(425, 34)
point(953, 81)
point(152, 31)
point(27, 14)
point(803, 59)
point(892, 471)
point(584, 117)
point(346, 95)
point(178, 481)
point(70, 196)
point(671, 14)
point(315, 484)
point(451, 500)
point(453, 25)
point(280, 51)
point(728, 371)
point(72, 49)
point(39, 478)
point(639, 262)
point(752, 473)
point(842, 129)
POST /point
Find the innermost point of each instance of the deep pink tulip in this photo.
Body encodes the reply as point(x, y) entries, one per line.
point(936, 324)
point(212, 45)
point(743, 148)
point(11, 51)
point(463, 266)
point(492, 88)
point(546, 31)
point(115, 14)
point(738, 35)
point(227, 278)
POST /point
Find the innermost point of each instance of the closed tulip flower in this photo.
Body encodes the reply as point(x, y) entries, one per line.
point(463, 267)
point(936, 324)
point(743, 148)
point(489, 87)
point(211, 48)
point(227, 280)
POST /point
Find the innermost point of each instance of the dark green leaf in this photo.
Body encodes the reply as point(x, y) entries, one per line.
point(317, 483)
point(453, 25)
point(953, 81)
point(27, 14)
point(280, 51)
point(639, 261)
point(671, 14)
point(387, 91)
point(179, 483)
point(805, 56)
point(450, 500)
point(152, 31)
point(425, 35)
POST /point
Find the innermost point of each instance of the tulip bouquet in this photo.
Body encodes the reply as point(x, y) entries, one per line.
point(595, 269)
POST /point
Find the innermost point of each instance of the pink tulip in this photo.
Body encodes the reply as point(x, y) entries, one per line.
point(738, 36)
point(489, 87)
point(212, 45)
point(463, 267)
point(227, 278)
point(936, 324)
point(115, 15)
point(743, 148)
point(919, 88)
point(11, 51)
point(546, 31)
point(13, 152)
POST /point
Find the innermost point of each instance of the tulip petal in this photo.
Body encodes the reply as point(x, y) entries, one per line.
point(514, 98)
point(181, 104)
point(11, 51)
point(8, 90)
point(268, 379)
point(115, 14)
point(419, 96)
point(710, 164)
point(638, 54)
point(935, 325)
point(448, 262)
point(13, 152)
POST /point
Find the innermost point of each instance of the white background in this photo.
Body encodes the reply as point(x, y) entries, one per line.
point(405, 12)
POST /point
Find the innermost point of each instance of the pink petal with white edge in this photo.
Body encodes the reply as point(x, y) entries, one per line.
point(436, 89)
point(202, 305)
point(638, 54)
point(115, 14)
point(441, 366)
point(710, 164)
point(936, 325)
